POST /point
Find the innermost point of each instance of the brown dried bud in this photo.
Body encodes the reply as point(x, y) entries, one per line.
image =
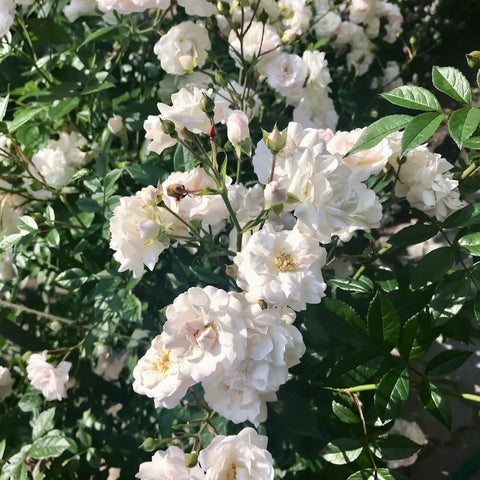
point(177, 191)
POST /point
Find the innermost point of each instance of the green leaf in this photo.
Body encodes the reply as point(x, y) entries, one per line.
point(477, 306)
point(416, 337)
point(417, 98)
point(43, 423)
point(447, 361)
point(463, 123)
point(87, 205)
point(102, 33)
point(450, 297)
point(24, 116)
point(419, 130)
point(472, 142)
point(435, 403)
point(344, 409)
point(30, 401)
point(378, 130)
point(471, 242)
point(412, 235)
point(63, 107)
point(48, 31)
point(49, 446)
point(379, 474)
point(345, 311)
point(392, 392)
point(183, 160)
point(478, 78)
point(3, 106)
point(394, 447)
point(466, 216)
point(53, 239)
point(383, 321)
point(2, 448)
point(362, 285)
point(15, 468)
point(433, 266)
point(342, 451)
point(102, 81)
point(452, 82)
point(72, 278)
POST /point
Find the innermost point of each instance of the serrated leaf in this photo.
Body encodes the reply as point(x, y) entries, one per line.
point(471, 242)
point(362, 285)
point(447, 361)
point(3, 106)
point(419, 130)
point(23, 117)
point(449, 297)
point(342, 451)
point(466, 216)
point(435, 403)
point(27, 224)
point(72, 278)
point(416, 337)
point(392, 392)
point(53, 239)
point(63, 107)
point(15, 468)
point(43, 423)
point(412, 235)
point(452, 82)
point(383, 321)
point(344, 413)
point(394, 447)
point(345, 311)
point(378, 130)
point(433, 266)
point(51, 446)
point(417, 98)
point(463, 123)
point(379, 474)
point(100, 33)
point(30, 401)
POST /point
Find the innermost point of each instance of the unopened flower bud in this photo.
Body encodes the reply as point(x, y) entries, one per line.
point(169, 128)
point(150, 444)
point(221, 78)
point(275, 194)
point(207, 105)
point(289, 36)
point(237, 127)
point(115, 124)
point(212, 131)
point(191, 460)
point(275, 140)
point(473, 59)
point(231, 271)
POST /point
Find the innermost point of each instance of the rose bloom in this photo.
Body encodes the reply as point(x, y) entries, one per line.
point(205, 332)
point(315, 108)
point(199, 8)
point(47, 378)
point(131, 6)
point(296, 16)
point(169, 465)
point(6, 383)
point(317, 68)
point(243, 456)
point(286, 74)
point(157, 376)
point(260, 41)
point(79, 8)
point(327, 23)
point(140, 230)
point(282, 268)
point(183, 48)
point(7, 13)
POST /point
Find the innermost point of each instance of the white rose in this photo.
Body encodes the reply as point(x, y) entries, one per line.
point(131, 6)
point(47, 378)
point(205, 332)
point(154, 132)
point(51, 167)
point(6, 383)
point(199, 8)
point(296, 16)
point(169, 465)
point(242, 456)
point(140, 231)
point(317, 68)
point(79, 8)
point(260, 41)
point(315, 109)
point(286, 74)
point(282, 268)
point(183, 48)
point(327, 24)
point(157, 376)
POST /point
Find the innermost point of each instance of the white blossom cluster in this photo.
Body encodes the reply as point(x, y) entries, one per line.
point(54, 164)
point(241, 456)
point(240, 353)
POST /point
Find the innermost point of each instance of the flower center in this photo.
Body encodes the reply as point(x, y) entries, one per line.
point(160, 363)
point(231, 473)
point(285, 262)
